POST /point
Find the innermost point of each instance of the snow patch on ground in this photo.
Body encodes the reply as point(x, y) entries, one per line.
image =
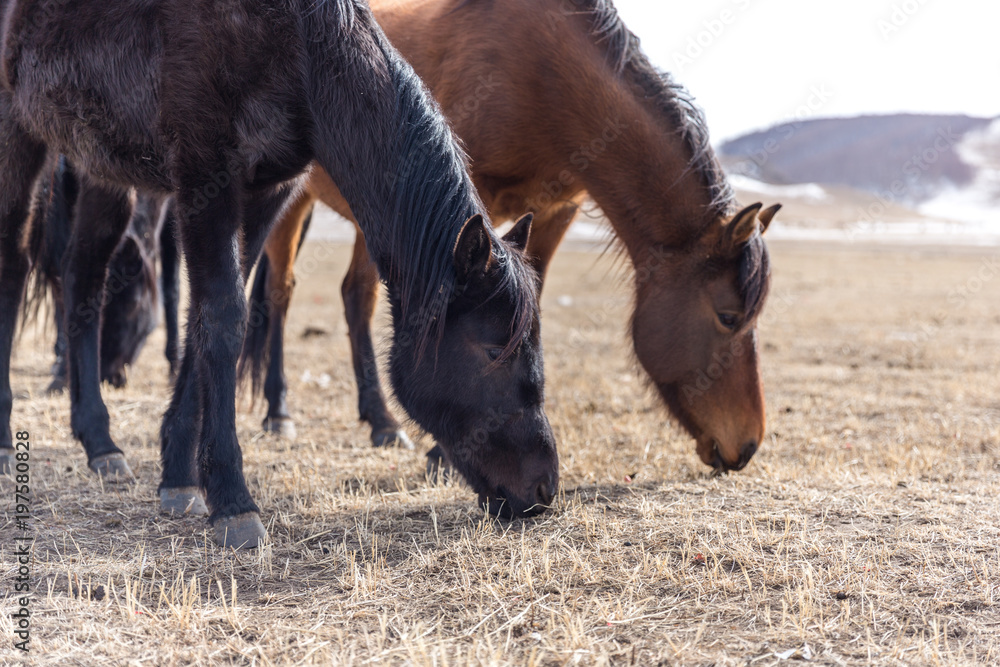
point(810, 191)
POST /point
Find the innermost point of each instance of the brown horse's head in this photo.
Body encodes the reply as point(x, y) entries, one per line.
point(481, 392)
point(694, 331)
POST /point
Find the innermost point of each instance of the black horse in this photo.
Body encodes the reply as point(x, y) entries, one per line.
point(130, 304)
point(224, 105)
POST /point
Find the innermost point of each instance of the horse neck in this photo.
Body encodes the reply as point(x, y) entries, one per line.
point(632, 157)
point(392, 156)
point(644, 180)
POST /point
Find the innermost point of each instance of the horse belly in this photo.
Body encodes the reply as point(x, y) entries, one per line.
point(85, 81)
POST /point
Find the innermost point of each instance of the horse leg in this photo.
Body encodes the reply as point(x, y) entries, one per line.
point(101, 218)
point(180, 487)
point(180, 484)
point(20, 161)
point(170, 284)
point(206, 387)
point(282, 248)
point(208, 372)
point(60, 369)
point(360, 292)
point(547, 232)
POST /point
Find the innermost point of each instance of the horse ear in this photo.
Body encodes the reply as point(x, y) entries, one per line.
point(743, 225)
point(519, 233)
point(766, 216)
point(473, 249)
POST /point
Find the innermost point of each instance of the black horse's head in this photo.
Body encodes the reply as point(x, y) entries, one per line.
point(130, 309)
point(480, 390)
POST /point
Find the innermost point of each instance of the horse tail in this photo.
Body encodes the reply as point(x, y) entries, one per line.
point(256, 353)
point(51, 228)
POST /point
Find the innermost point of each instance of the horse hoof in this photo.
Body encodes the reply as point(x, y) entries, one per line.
point(7, 463)
point(243, 531)
point(392, 438)
point(112, 468)
point(281, 426)
point(57, 386)
point(183, 500)
point(439, 471)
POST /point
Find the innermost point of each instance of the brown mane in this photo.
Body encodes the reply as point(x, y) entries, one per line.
point(671, 100)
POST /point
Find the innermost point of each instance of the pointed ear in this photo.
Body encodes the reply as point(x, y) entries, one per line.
point(766, 216)
point(519, 233)
point(473, 249)
point(743, 225)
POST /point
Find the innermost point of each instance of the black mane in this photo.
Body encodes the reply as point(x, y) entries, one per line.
point(429, 197)
point(434, 199)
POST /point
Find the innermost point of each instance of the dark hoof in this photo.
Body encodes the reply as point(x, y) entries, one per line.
point(392, 438)
point(183, 500)
point(57, 386)
point(7, 462)
point(243, 531)
point(439, 471)
point(282, 426)
point(112, 468)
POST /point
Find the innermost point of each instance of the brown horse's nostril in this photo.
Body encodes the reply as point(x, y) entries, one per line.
point(749, 449)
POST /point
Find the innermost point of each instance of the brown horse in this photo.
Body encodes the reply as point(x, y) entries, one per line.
point(581, 111)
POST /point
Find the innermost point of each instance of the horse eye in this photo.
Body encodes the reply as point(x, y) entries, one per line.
point(494, 352)
point(728, 320)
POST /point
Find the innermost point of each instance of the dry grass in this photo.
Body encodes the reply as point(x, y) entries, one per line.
point(866, 531)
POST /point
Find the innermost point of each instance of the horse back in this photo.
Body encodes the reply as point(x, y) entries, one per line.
point(125, 86)
point(509, 77)
point(84, 78)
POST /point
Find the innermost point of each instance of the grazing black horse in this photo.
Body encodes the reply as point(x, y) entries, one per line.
point(129, 307)
point(224, 104)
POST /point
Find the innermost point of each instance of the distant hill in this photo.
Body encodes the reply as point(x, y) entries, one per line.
point(920, 156)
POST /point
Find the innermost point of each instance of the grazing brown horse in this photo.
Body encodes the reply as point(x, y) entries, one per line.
point(580, 111)
point(224, 105)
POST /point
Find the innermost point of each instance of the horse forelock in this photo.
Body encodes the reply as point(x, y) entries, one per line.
point(519, 281)
point(754, 276)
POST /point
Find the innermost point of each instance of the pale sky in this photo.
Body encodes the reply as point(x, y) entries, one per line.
point(770, 60)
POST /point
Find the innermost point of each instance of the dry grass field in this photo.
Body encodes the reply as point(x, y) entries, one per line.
point(865, 531)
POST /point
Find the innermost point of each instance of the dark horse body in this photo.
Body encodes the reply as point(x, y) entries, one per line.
point(131, 301)
point(224, 105)
point(583, 112)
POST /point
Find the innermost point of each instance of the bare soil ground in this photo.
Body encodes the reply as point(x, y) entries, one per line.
point(866, 530)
